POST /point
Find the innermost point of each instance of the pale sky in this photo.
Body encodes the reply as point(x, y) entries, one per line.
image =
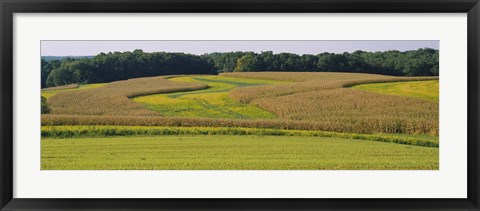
point(91, 48)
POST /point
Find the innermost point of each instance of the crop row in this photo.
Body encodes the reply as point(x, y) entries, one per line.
point(97, 131)
point(340, 126)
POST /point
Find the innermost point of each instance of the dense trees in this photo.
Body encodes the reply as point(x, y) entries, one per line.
point(422, 62)
point(247, 63)
point(223, 62)
point(106, 67)
point(47, 67)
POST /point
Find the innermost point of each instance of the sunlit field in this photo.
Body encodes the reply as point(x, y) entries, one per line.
point(47, 93)
point(255, 120)
point(212, 102)
point(426, 90)
point(329, 99)
point(231, 153)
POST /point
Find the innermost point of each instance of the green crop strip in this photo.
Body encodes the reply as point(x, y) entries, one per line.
point(212, 102)
point(425, 90)
point(102, 131)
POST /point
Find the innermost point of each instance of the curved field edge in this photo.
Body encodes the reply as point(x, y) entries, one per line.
point(307, 82)
point(51, 91)
point(114, 97)
point(68, 86)
point(232, 153)
point(103, 131)
point(212, 102)
point(425, 90)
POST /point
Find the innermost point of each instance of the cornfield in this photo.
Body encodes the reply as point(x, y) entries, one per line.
point(113, 99)
point(326, 98)
point(312, 101)
point(307, 82)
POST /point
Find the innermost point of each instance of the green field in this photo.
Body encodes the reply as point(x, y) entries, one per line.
point(231, 153)
point(426, 90)
point(212, 102)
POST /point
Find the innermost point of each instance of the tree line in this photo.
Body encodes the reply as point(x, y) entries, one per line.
point(107, 67)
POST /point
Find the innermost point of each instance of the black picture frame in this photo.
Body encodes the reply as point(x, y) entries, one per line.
point(9, 7)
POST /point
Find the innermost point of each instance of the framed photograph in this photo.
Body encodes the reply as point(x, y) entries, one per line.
point(228, 105)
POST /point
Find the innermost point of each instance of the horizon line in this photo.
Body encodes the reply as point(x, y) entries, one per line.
point(234, 52)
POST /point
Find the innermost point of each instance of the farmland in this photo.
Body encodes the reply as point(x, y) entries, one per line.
point(113, 98)
point(103, 131)
point(426, 90)
point(328, 99)
point(232, 153)
point(260, 120)
point(212, 102)
point(48, 92)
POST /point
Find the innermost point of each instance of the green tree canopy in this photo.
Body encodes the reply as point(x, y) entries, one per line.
point(113, 66)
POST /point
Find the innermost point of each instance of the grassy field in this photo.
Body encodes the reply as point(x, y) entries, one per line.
point(212, 102)
point(425, 90)
point(232, 153)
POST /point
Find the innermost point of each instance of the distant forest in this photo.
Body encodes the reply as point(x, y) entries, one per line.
point(50, 58)
point(107, 67)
